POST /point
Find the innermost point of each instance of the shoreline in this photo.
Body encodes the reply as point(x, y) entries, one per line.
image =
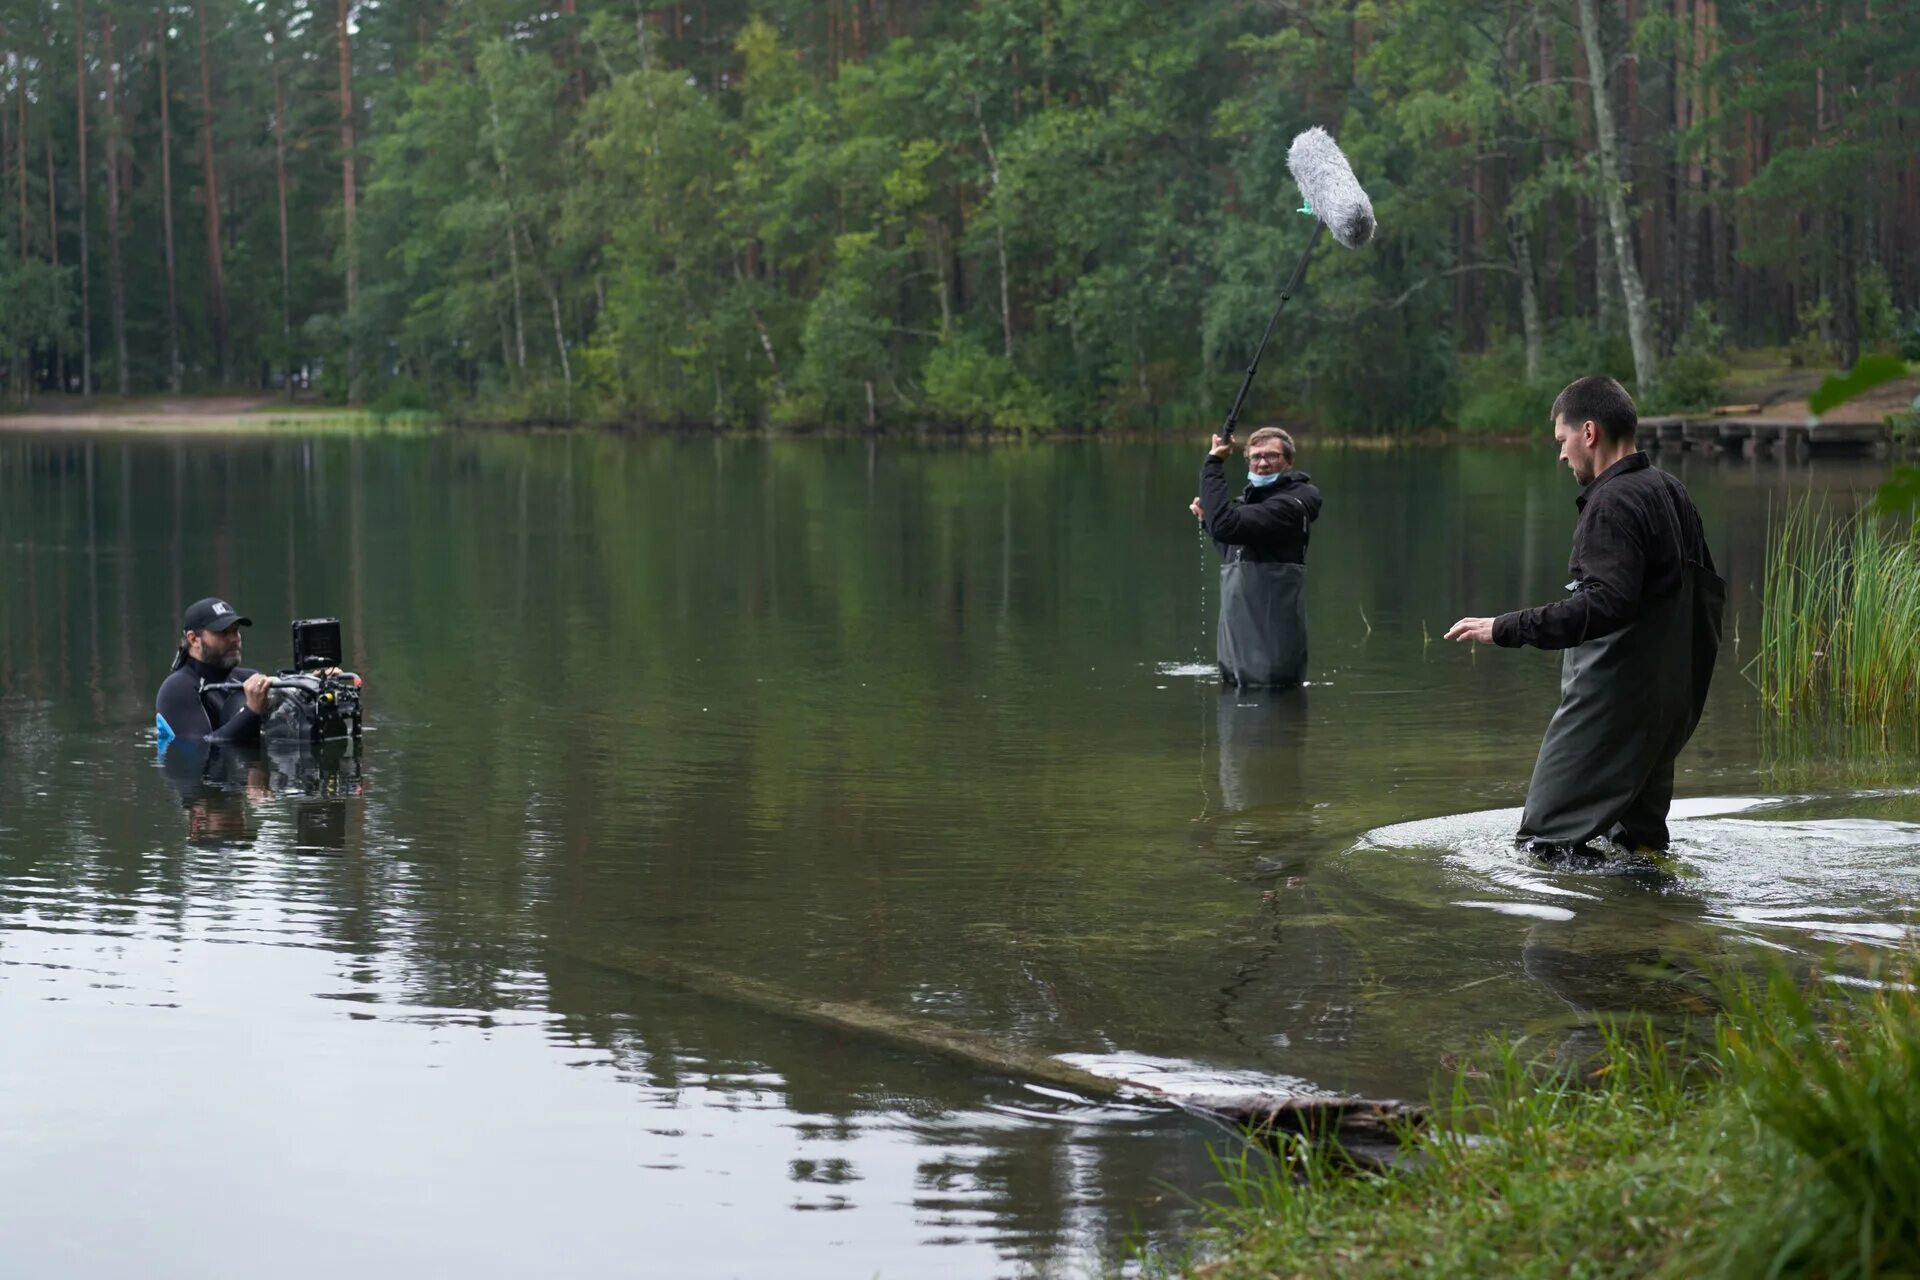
point(189, 416)
point(177, 420)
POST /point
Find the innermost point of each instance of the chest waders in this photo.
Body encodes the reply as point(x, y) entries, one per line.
point(1262, 637)
point(1628, 703)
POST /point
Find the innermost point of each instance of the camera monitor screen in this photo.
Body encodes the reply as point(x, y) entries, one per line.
point(316, 643)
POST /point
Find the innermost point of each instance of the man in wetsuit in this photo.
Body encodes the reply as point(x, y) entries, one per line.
point(1262, 535)
point(1641, 631)
point(209, 653)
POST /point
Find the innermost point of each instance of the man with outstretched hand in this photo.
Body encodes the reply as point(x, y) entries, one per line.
point(1640, 631)
point(1262, 535)
point(209, 654)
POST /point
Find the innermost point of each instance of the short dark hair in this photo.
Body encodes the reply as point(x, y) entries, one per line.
point(1601, 400)
point(1273, 433)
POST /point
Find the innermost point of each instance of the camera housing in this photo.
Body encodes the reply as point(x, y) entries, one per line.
point(316, 643)
point(316, 700)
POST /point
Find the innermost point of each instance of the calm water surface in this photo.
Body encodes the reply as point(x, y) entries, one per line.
point(910, 726)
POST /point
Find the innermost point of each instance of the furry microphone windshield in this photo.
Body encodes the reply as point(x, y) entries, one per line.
point(1335, 199)
point(1333, 193)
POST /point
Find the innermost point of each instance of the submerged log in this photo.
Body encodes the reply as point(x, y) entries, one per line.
point(1366, 1133)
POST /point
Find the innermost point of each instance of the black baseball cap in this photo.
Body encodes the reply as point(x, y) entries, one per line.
point(212, 614)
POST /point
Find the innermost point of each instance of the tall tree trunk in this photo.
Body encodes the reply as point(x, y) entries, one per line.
point(58, 361)
point(1603, 280)
point(560, 342)
point(19, 365)
point(766, 338)
point(166, 209)
point(280, 184)
point(349, 202)
point(572, 9)
point(1719, 224)
point(1529, 299)
point(1632, 292)
point(116, 275)
point(210, 194)
point(1000, 234)
point(1846, 301)
point(1549, 224)
point(20, 152)
point(86, 291)
point(513, 249)
point(53, 211)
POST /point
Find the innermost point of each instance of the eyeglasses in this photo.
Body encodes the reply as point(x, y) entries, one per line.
point(1267, 457)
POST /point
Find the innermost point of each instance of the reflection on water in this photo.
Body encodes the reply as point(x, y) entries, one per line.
point(914, 727)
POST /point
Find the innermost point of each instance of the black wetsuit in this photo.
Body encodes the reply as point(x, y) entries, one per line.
point(182, 711)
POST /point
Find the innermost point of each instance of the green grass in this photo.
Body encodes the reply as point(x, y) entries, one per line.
point(1840, 622)
point(1786, 1144)
point(348, 420)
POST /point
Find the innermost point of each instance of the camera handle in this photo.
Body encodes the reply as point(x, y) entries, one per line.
point(283, 681)
point(208, 686)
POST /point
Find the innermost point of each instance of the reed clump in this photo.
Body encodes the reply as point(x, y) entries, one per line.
point(1840, 621)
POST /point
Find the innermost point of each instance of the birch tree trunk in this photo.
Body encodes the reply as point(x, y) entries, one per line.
point(1632, 292)
point(999, 233)
point(1529, 299)
point(513, 241)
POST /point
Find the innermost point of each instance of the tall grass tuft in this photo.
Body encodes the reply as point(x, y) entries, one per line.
point(1840, 621)
point(1832, 1084)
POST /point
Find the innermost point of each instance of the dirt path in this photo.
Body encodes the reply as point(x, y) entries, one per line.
point(1874, 406)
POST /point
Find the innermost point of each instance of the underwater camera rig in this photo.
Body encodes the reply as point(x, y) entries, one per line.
point(315, 699)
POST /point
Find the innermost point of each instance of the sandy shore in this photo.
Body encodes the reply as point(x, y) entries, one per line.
point(164, 414)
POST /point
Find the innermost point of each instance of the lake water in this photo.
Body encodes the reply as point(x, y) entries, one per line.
point(910, 726)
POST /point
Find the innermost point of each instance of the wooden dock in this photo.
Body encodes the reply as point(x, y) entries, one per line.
point(1752, 437)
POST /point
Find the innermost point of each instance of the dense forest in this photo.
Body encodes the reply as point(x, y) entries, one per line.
point(1023, 213)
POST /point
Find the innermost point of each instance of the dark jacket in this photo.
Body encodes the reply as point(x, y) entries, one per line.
point(1271, 523)
point(182, 711)
point(1636, 532)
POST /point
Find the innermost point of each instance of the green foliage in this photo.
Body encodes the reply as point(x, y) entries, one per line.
point(1791, 1146)
point(1908, 336)
point(1812, 344)
point(1694, 376)
point(1497, 398)
point(1867, 373)
point(1878, 318)
point(38, 310)
point(967, 385)
point(654, 216)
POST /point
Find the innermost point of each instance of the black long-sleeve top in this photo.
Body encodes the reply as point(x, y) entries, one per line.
point(1637, 531)
point(1270, 522)
point(181, 710)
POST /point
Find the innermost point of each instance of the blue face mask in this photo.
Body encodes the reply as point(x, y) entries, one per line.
point(1259, 481)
